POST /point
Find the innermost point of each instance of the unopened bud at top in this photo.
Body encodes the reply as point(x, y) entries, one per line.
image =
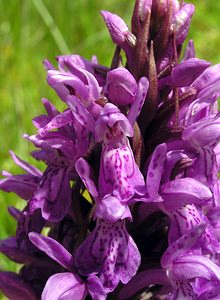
point(121, 86)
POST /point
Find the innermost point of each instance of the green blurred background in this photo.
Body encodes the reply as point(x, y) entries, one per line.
point(31, 30)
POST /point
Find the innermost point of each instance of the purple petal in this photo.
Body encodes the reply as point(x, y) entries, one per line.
point(58, 121)
point(53, 249)
point(204, 133)
point(136, 107)
point(41, 121)
point(54, 140)
point(181, 22)
point(110, 252)
point(81, 113)
point(64, 286)
point(185, 73)
point(50, 108)
point(53, 195)
point(174, 157)
point(25, 166)
point(211, 294)
point(188, 267)
point(184, 243)
point(15, 288)
point(190, 51)
point(62, 82)
point(48, 65)
point(155, 170)
point(208, 77)
point(23, 185)
point(116, 26)
point(183, 291)
point(182, 191)
point(14, 212)
point(121, 86)
point(73, 63)
point(182, 221)
point(95, 288)
point(83, 169)
point(10, 249)
point(111, 209)
point(143, 280)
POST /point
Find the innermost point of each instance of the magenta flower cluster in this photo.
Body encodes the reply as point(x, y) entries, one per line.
point(128, 206)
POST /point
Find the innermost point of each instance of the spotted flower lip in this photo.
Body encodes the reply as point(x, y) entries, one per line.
point(111, 253)
point(127, 203)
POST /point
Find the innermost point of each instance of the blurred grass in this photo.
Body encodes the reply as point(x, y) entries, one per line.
point(31, 30)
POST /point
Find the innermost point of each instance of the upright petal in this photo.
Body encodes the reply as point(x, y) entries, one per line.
point(53, 249)
point(64, 286)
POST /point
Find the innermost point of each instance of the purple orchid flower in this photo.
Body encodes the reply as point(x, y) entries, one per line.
point(121, 87)
point(114, 188)
point(110, 252)
point(69, 284)
point(128, 203)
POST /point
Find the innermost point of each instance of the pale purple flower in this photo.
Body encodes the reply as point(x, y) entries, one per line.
point(110, 252)
point(128, 202)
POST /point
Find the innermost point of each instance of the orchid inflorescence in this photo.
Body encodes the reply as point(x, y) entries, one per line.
point(128, 206)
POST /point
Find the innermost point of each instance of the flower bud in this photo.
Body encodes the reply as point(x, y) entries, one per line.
point(121, 86)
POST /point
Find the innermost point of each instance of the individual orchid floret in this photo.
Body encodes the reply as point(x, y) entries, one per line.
point(192, 265)
point(119, 174)
point(53, 195)
point(108, 207)
point(121, 87)
point(174, 193)
point(71, 64)
point(81, 84)
point(68, 132)
point(72, 284)
point(176, 280)
point(181, 22)
point(120, 33)
point(110, 252)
